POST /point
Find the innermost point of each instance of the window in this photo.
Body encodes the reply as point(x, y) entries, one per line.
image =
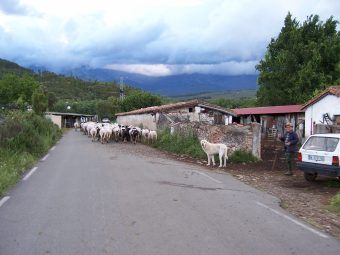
point(321, 143)
point(337, 119)
point(191, 109)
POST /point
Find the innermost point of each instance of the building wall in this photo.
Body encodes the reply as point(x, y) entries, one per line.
point(183, 115)
point(55, 119)
point(145, 120)
point(314, 113)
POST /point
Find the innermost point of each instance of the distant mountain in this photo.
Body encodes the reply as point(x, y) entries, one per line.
point(169, 85)
point(173, 86)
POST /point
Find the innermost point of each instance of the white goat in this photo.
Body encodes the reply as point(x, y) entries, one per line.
point(145, 134)
point(76, 125)
point(152, 136)
point(93, 133)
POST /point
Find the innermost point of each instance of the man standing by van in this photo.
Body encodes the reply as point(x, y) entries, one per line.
point(290, 138)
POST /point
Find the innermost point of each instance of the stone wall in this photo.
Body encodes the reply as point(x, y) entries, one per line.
point(138, 120)
point(235, 137)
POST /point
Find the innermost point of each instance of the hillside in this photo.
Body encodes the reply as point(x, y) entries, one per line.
point(13, 68)
point(65, 87)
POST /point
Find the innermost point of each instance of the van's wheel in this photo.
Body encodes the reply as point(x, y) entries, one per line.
point(310, 177)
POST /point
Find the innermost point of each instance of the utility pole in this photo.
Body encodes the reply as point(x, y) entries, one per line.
point(121, 89)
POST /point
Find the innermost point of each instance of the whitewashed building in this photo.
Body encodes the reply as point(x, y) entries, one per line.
point(67, 119)
point(322, 109)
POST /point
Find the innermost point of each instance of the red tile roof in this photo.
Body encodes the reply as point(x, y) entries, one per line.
point(154, 109)
point(333, 90)
point(281, 109)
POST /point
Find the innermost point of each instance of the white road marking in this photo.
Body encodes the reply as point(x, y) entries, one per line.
point(3, 200)
point(52, 149)
point(44, 158)
point(293, 220)
point(211, 178)
point(30, 173)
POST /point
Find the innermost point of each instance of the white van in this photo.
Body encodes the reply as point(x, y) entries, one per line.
point(319, 155)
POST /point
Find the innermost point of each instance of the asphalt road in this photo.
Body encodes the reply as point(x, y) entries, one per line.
point(88, 198)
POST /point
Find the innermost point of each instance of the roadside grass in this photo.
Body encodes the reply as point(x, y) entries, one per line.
point(242, 156)
point(184, 145)
point(24, 138)
point(189, 145)
point(334, 205)
point(12, 166)
point(333, 183)
point(283, 204)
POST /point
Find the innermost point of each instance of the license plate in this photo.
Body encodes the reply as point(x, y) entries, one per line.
point(316, 157)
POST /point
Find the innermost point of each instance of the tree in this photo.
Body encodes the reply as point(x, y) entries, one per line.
point(104, 109)
point(39, 101)
point(52, 99)
point(140, 100)
point(14, 88)
point(301, 60)
point(235, 103)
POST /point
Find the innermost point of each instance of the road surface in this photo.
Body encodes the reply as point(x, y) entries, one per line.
point(88, 198)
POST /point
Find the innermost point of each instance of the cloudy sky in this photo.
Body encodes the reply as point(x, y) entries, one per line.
point(153, 37)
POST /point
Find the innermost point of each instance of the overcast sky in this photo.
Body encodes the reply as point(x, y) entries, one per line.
point(153, 37)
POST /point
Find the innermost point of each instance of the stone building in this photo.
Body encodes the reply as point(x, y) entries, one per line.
point(169, 115)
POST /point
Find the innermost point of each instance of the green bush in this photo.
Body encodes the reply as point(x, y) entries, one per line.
point(184, 145)
point(242, 156)
point(28, 132)
point(24, 137)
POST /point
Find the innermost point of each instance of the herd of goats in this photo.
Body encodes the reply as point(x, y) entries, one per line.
point(107, 131)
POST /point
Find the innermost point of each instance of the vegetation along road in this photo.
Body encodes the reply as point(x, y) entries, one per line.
point(89, 198)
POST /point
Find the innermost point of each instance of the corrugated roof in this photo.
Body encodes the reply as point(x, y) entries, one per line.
point(168, 107)
point(69, 114)
point(333, 90)
point(281, 109)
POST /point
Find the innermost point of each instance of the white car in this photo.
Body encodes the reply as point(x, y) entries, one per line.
point(319, 155)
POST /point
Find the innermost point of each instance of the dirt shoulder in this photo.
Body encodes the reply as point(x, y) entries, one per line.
point(303, 199)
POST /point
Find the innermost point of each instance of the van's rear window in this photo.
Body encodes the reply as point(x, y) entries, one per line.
point(318, 143)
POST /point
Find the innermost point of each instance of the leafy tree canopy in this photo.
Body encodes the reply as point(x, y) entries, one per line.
point(235, 103)
point(301, 60)
point(140, 100)
point(16, 89)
